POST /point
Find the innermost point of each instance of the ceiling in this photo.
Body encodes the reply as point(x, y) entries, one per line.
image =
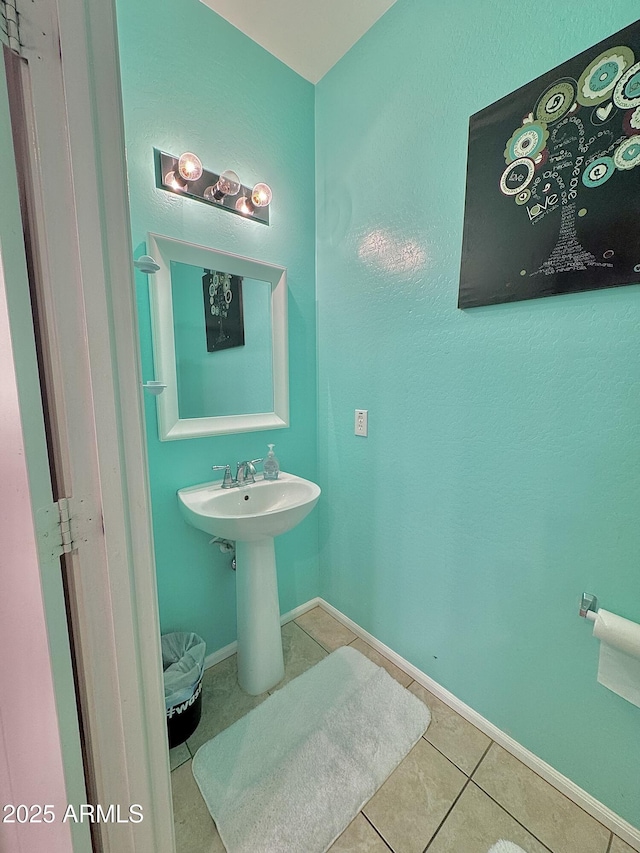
point(307, 35)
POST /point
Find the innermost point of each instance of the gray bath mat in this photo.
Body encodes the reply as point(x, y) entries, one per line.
point(292, 774)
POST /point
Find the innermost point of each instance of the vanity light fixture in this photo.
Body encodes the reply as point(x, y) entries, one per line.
point(185, 175)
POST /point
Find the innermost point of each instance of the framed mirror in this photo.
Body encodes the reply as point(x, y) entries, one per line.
point(220, 341)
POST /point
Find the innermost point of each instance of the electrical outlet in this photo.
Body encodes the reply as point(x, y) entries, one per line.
point(362, 422)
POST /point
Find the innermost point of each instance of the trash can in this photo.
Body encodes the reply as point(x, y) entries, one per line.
point(183, 665)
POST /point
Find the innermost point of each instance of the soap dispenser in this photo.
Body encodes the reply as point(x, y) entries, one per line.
point(271, 466)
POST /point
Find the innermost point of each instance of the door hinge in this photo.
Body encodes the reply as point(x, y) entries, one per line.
point(53, 525)
point(64, 525)
point(10, 25)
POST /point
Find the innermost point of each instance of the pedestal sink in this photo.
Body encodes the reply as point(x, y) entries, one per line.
point(252, 515)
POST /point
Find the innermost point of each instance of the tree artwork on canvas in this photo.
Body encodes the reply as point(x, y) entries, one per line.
point(565, 194)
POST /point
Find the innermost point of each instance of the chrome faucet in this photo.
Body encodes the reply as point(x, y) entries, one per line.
point(245, 473)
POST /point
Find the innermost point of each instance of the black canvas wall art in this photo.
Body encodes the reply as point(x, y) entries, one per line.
point(553, 192)
point(223, 311)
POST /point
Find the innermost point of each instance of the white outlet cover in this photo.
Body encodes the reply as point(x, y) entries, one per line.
point(361, 422)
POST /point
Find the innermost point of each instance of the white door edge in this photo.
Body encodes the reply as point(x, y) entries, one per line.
point(86, 248)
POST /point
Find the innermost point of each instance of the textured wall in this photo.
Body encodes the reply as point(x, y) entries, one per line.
point(501, 475)
point(193, 82)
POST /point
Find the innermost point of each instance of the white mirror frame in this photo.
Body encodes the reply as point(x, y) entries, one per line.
point(170, 425)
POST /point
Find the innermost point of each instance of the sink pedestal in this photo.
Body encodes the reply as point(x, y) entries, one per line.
point(260, 659)
point(251, 515)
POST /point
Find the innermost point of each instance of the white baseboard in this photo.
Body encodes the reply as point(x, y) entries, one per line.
point(589, 804)
point(595, 808)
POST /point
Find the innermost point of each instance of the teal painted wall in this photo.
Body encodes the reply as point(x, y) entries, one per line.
point(192, 82)
point(501, 475)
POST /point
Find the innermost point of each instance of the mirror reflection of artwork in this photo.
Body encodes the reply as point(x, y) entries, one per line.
point(553, 192)
point(236, 377)
point(224, 319)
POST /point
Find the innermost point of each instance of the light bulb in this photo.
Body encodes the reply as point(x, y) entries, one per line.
point(261, 195)
point(229, 183)
point(174, 181)
point(244, 205)
point(189, 167)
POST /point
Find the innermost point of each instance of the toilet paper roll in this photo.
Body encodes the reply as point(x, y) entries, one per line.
point(619, 665)
point(617, 632)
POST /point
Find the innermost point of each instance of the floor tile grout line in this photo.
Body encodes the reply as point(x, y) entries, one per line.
point(610, 845)
point(553, 787)
point(444, 754)
point(376, 830)
point(388, 660)
point(513, 817)
point(310, 636)
point(482, 758)
point(339, 624)
point(467, 776)
point(181, 763)
point(449, 810)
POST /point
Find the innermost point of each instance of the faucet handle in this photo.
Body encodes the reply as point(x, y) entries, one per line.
point(250, 469)
point(227, 481)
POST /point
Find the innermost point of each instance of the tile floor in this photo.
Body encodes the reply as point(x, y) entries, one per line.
point(456, 791)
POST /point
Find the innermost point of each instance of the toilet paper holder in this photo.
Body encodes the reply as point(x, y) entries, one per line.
point(588, 606)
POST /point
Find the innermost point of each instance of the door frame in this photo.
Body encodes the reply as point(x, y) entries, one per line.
point(42, 761)
point(83, 241)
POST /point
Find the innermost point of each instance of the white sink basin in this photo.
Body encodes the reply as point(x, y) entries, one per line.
point(249, 513)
